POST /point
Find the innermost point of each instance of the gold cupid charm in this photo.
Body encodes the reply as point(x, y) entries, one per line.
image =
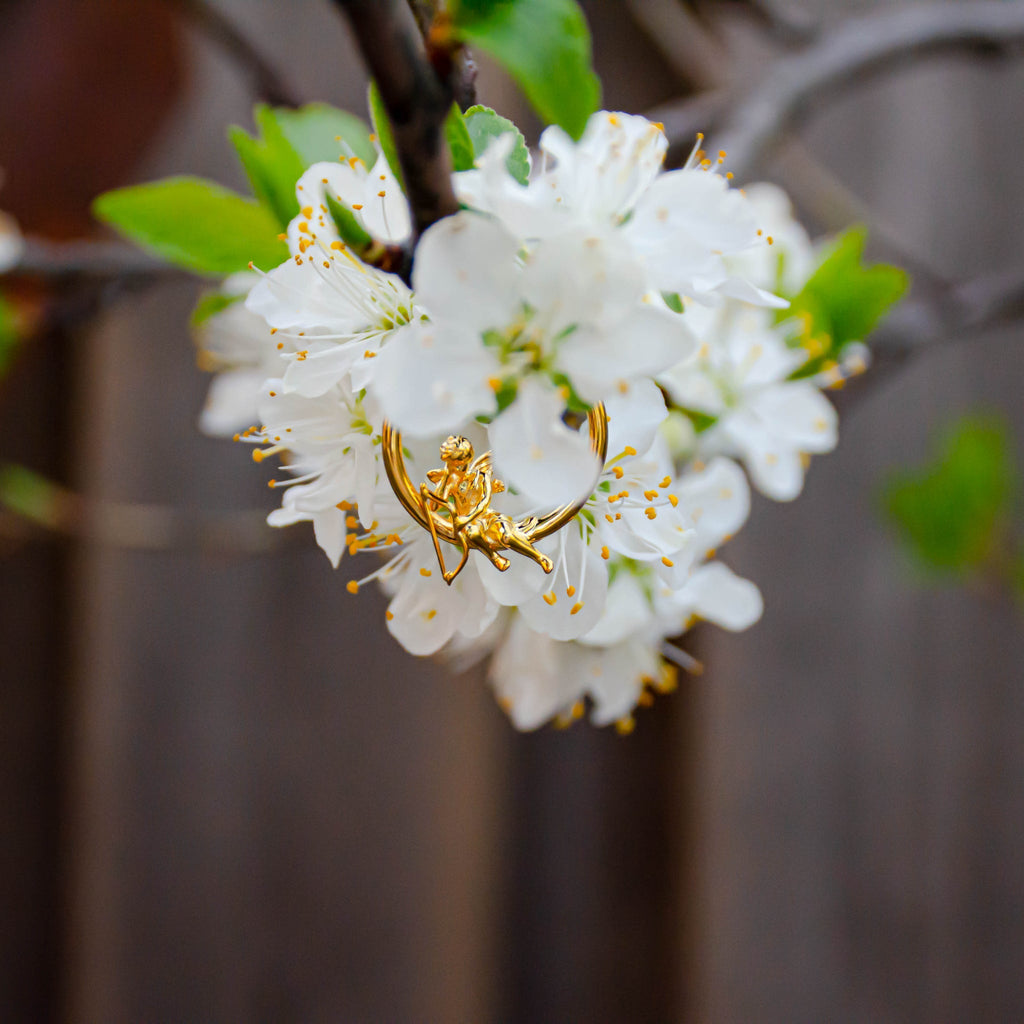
point(454, 505)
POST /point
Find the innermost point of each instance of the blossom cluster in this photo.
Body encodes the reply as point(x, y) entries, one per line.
point(603, 278)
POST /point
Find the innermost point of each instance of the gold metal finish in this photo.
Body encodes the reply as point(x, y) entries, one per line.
point(454, 505)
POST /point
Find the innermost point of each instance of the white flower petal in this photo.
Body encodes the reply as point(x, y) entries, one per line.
point(538, 454)
point(467, 272)
point(431, 379)
point(715, 593)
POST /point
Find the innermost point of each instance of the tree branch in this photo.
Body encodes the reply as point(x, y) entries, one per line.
point(963, 312)
point(221, 30)
point(856, 49)
point(416, 100)
point(58, 261)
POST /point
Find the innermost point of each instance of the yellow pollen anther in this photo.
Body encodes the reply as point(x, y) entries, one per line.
point(351, 522)
point(629, 450)
point(339, 246)
point(425, 572)
point(667, 482)
point(282, 237)
point(494, 383)
point(570, 591)
point(576, 607)
point(624, 726)
point(650, 513)
point(619, 472)
point(382, 193)
point(345, 506)
point(650, 495)
point(280, 345)
point(307, 212)
point(357, 206)
point(352, 587)
point(550, 598)
point(389, 616)
point(605, 553)
point(430, 614)
point(666, 561)
point(673, 500)
point(771, 241)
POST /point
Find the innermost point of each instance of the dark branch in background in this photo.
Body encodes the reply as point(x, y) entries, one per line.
point(963, 312)
point(83, 259)
point(855, 50)
point(219, 29)
point(54, 509)
point(416, 100)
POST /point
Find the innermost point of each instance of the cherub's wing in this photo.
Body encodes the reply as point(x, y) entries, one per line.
point(482, 464)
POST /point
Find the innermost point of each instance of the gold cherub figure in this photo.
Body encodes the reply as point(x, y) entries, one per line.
point(461, 500)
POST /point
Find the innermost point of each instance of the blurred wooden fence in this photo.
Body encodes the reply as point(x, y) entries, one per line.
point(230, 797)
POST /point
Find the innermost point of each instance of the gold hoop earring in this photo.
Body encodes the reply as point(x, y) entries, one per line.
point(454, 504)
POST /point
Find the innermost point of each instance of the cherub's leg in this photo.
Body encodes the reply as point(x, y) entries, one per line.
point(464, 544)
point(500, 562)
point(518, 542)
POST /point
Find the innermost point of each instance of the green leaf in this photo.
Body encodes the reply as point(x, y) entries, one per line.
point(673, 301)
point(382, 126)
point(30, 495)
point(210, 304)
point(271, 163)
point(545, 46)
point(484, 126)
point(843, 300)
point(351, 231)
point(195, 224)
point(701, 420)
point(319, 132)
point(9, 334)
point(459, 142)
point(951, 513)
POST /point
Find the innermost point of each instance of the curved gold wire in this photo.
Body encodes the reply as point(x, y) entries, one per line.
point(409, 494)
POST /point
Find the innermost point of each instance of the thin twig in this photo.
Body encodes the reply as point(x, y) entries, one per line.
point(56, 510)
point(858, 48)
point(221, 30)
point(963, 313)
point(59, 261)
point(835, 207)
point(416, 100)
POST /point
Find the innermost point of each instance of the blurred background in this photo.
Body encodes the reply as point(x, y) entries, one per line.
point(229, 796)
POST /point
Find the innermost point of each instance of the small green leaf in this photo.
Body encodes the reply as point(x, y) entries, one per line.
point(351, 231)
point(701, 420)
point(9, 334)
point(459, 142)
point(843, 300)
point(30, 495)
point(673, 301)
point(951, 512)
point(382, 126)
point(271, 164)
point(484, 126)
point(545, 46)
point(210, 304)
point(195, 224)
point(319, 132)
